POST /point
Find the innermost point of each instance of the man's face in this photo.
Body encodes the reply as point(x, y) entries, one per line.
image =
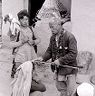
point(55, 28)
point(25, 21)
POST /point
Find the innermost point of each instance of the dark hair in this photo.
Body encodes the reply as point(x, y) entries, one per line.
point(22, 13)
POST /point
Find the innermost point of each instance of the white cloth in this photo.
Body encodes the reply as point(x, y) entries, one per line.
point(22, 82)
point(14, 26)
point(85, 89)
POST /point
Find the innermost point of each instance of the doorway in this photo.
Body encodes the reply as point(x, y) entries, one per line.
point(33, 9)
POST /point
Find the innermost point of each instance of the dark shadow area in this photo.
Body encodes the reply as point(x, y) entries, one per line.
point(33, 8)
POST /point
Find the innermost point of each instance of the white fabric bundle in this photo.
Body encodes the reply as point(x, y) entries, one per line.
point(22, 82)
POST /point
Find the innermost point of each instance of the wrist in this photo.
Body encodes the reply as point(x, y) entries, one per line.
point(57, 62)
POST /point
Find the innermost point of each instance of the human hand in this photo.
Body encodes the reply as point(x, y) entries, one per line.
point(31, 42)
point(39, 59)
point(56, 62)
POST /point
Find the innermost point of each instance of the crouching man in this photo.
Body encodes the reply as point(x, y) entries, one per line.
point(63, 51)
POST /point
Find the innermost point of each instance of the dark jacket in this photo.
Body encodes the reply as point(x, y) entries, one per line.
point(66, 51)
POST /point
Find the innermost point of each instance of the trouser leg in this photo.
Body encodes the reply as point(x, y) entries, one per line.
point(71, 85)
point(67, 88)
point(62, 87)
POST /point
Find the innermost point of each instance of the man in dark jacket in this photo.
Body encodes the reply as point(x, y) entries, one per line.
point(62, 50)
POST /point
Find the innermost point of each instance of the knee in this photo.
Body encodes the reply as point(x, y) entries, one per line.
point(36, 93)
point(43, 88)
point(61, 85)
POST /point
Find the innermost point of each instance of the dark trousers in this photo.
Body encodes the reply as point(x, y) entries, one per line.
point(37, 86)
point(13, 68)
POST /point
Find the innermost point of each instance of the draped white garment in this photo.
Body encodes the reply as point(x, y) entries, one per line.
point(22, 82)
